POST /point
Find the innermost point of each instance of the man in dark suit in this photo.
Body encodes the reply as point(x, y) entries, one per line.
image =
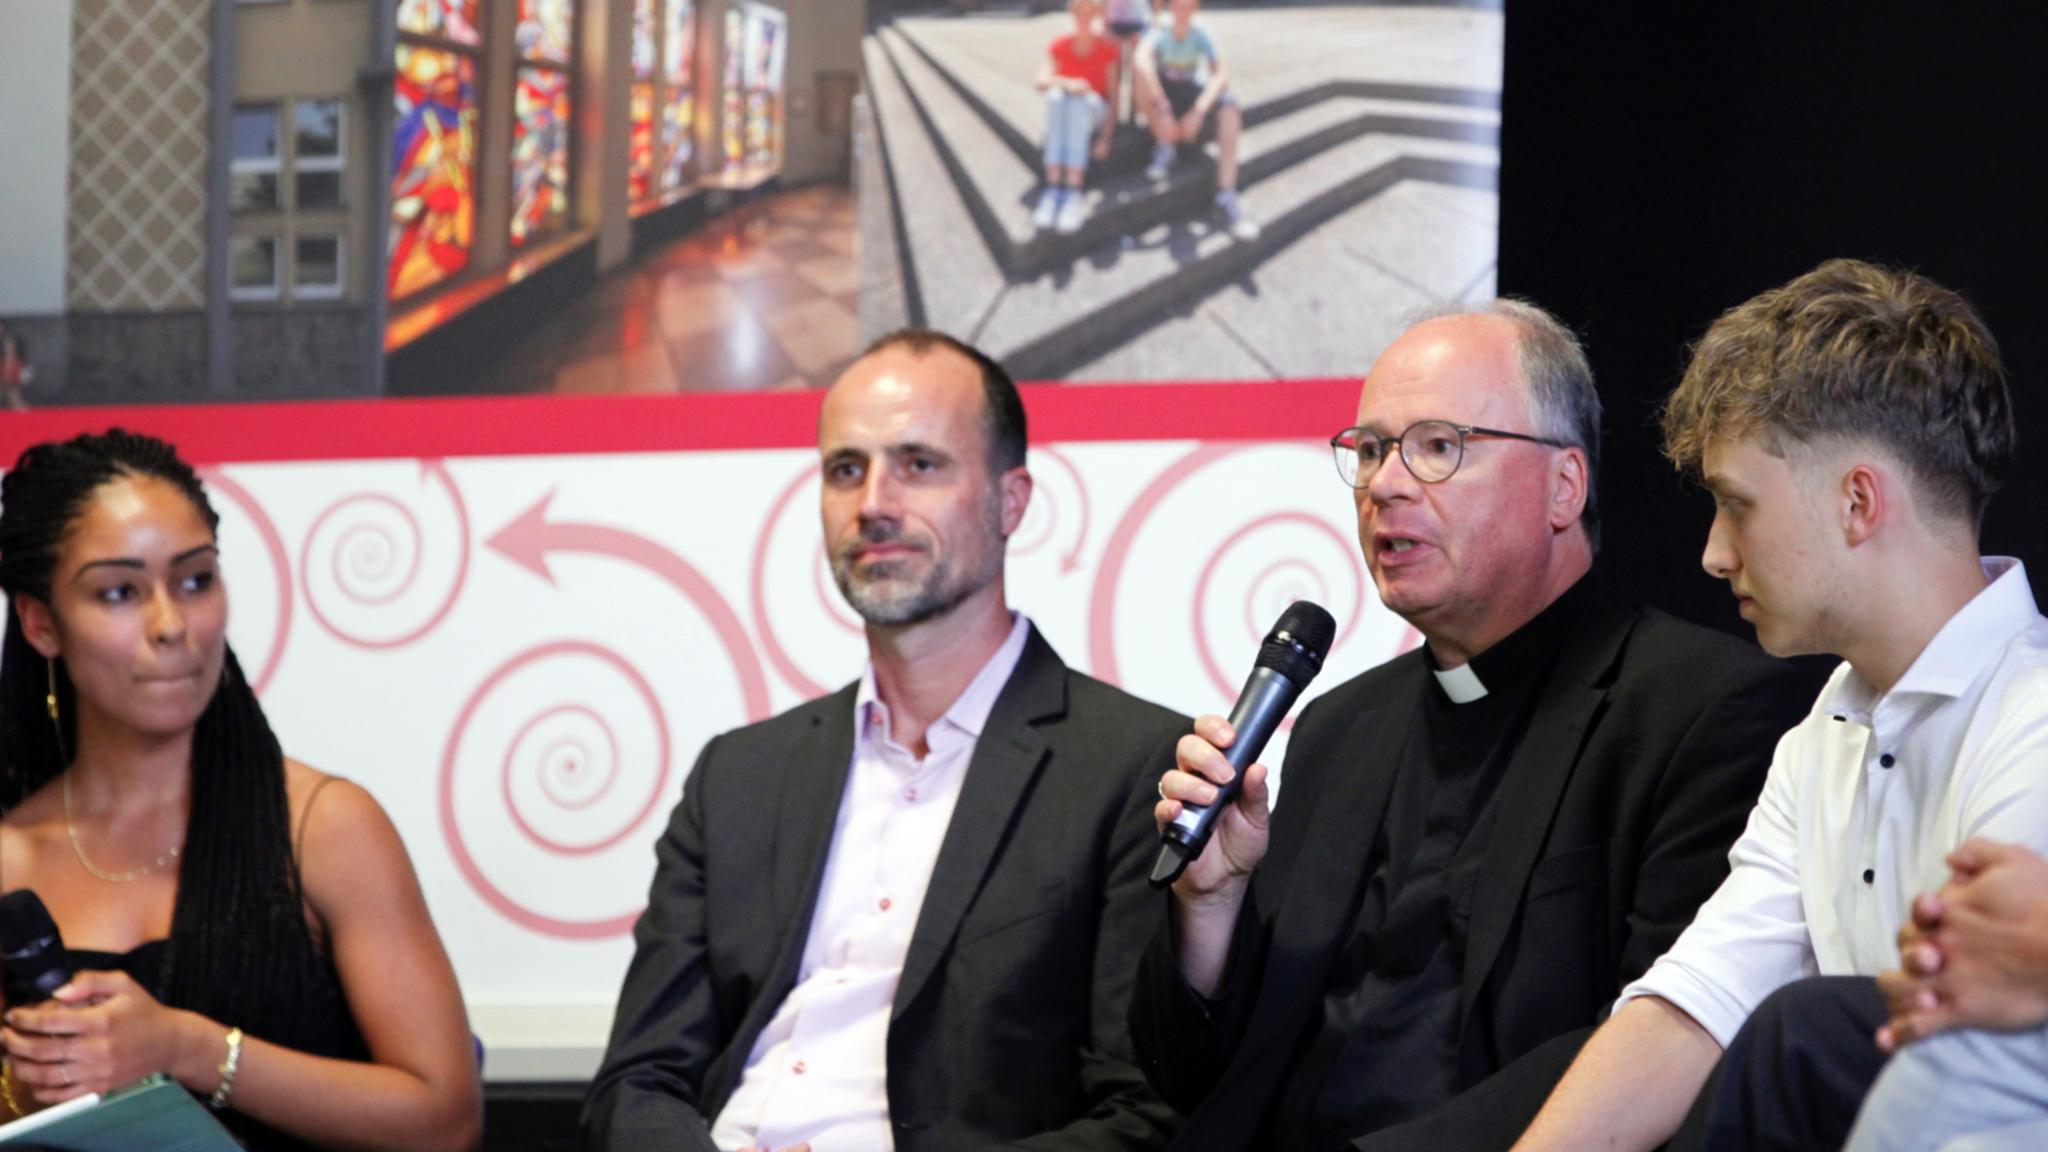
point(907, 914)
point(1481, 841)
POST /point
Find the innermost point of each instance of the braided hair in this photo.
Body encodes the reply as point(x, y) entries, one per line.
point(238, 928)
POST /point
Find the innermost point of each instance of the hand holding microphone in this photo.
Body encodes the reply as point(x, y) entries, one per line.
point(1238, 841)
point(1215, 765)
point(33, 963)
point(70, 1033)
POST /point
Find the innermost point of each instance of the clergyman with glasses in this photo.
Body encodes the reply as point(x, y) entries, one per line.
point(1485, 838)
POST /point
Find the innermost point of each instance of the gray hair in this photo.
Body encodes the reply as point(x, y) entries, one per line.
point(1562, 398)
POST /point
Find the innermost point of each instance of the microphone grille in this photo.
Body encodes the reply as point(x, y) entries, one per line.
point(1311, 626)
point(23, 919)
point(1298, 642)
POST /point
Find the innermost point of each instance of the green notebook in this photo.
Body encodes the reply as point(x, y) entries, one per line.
point(152, 1115)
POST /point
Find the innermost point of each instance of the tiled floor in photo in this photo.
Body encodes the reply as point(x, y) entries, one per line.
point(762, 297)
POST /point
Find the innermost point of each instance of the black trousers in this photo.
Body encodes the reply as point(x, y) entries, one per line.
point(1794, 1076)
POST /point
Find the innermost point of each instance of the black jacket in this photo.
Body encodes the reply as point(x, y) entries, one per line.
point(1645, 752)
point(1009, 1025)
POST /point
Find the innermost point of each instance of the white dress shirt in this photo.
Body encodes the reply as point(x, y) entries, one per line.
point(818, 1073)
point(1864, 799)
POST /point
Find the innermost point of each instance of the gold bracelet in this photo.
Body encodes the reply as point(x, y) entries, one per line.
point(219, 1099)
point(7, 1088)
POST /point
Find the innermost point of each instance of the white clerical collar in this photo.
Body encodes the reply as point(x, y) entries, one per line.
point(1461, 684)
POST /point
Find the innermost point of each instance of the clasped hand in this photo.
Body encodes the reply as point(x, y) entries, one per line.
point(100, 1031)
point(1975, 954)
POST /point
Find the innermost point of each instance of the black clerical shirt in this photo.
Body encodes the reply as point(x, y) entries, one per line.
point(1385, 1046)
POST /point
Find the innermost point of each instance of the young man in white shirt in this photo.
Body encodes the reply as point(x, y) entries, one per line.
point(1851, 425)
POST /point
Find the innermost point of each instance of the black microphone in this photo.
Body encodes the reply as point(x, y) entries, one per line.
point(33, 963)
point(1290, 658)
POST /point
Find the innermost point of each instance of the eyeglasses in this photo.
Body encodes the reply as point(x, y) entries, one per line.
point(1431, 450)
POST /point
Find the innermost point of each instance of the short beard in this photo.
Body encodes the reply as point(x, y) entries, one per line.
point(929, 599)
point(943, 588)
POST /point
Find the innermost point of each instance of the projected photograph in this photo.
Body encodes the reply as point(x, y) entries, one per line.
point(1105, 191)
point(1183, 191)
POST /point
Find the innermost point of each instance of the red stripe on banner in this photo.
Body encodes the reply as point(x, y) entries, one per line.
point(570, 425)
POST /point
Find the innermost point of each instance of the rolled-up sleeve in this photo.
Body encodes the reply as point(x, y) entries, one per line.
point(1750, 938)
point(2004, 798)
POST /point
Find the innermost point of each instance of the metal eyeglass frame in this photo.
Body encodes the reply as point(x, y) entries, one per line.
point(1341, 448)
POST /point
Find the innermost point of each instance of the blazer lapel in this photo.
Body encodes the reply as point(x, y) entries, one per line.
point(1537, 772)
point(1006, 759)
point(806, 810)
point(813, 784)
point(1323, 889)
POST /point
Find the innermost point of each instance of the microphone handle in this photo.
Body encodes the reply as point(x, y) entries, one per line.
point(1260, 707)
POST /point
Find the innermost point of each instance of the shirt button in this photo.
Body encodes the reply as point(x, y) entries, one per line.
point(910, 794)
point(1870, 875)
point(797, 1067)
point(1886, 760)
point(883, 904)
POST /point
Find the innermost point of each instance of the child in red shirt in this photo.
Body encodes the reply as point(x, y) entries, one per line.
point(1079, 81)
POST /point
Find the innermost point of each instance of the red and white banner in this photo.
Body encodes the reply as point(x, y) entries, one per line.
point(521, 653)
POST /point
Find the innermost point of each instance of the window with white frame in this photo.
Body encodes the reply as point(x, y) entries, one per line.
point(258, 159)
point(319, 154)
point(252, 267)
point(319, 269)
point(292, 176)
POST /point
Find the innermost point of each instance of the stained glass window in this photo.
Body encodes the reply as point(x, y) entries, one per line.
point(433, 190)
point(678, 140)
point(540, 153)
point(545, 30)
point(449, 19)
point(682, 41)
point(640, 144)
point(541, 124)
point(732, 129)
point(644, 43)
point(764, 65)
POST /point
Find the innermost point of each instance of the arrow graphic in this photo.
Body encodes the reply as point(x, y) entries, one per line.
point(531, 539)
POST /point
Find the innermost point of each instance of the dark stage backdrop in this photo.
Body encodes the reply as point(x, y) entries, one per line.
point(1662, 163)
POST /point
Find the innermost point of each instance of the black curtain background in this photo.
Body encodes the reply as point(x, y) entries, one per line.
point(1662, 163)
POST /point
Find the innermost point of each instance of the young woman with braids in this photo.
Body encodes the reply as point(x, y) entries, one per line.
point(237, 920)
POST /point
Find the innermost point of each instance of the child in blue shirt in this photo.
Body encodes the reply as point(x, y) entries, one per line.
point(1185, 79)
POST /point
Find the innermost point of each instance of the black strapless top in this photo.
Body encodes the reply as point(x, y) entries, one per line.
point(320, 1026)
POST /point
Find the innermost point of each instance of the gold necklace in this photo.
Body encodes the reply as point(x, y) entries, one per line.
point(77, 847)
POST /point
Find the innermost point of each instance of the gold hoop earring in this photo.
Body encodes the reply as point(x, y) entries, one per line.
point(56, 716)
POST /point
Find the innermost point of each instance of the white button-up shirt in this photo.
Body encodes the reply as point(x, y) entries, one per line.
point(818, 1072)
point(1864, 799)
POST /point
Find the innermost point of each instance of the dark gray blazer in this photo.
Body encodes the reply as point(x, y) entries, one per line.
point(1639, 767)
point(1009, 1027)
